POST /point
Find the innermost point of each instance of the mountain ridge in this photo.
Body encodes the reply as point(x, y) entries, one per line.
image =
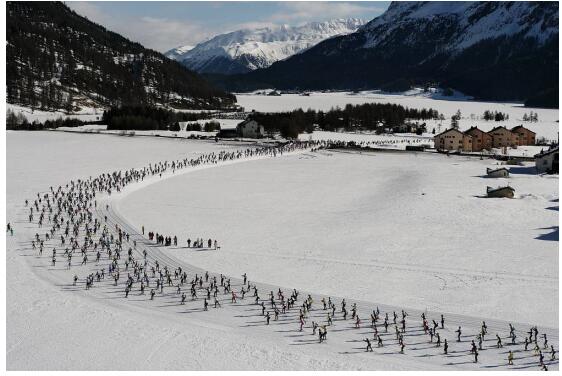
point(57, 59)
point(416, 43)
point(245, 50)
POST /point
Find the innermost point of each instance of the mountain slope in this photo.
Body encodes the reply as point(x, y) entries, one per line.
point(491, 50)
point(57, 59)
point(246, 50)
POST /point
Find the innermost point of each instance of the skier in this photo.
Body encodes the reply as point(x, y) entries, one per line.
point(459, 332)
point(369, 347)
point(499, 343)
point(510, 358)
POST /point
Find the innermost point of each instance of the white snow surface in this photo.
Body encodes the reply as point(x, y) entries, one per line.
point(85, 113)
point(395, 230)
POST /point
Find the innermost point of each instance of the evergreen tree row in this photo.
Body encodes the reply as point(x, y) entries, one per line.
point(368, 116)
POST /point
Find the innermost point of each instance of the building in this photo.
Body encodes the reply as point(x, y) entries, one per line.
point(547, 161)
point(501, 172)
point(480, 139)
point(500, 192)
point(250, 128)
point(454, 140)
point(525, 136)
point(503, 137)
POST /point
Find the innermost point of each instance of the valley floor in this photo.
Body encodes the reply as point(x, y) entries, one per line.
point(397, 231)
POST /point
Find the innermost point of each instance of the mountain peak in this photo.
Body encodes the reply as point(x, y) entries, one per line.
point(468, 22)
point(249, 49)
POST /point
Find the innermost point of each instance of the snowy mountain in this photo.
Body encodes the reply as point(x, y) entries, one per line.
point(176, 53)
point(490, 50)
point(465, 23)
point(246, 50)
point(57, 59)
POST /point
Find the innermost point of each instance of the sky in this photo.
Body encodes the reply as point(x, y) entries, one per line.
point(168, 24)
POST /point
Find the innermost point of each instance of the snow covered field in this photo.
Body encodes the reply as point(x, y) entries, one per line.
point(547, 126)
point(372, 228)
point(85, 114)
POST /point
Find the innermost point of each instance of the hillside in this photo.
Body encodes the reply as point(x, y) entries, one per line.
point(490, 50)
point(245, 50)
point(57, 59)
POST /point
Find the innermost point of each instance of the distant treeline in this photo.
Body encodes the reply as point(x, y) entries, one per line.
point(368, 116)
point(495, 116)
point(147, 118)
point(209, 126)
point(19, 122)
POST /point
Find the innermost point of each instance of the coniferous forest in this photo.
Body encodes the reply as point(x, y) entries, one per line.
point(367, 117)
point(57, 59)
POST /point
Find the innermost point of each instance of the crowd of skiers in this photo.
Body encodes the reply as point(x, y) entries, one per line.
point(75, 227)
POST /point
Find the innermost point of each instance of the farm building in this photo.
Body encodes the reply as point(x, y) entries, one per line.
point(503, 137)
point(250, 128)
point(547, 161)
point(501, 172)
point(500, 192)
point(453, 139)
point(524, 135)
point(480, 139)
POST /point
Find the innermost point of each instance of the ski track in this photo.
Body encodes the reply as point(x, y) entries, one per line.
point(343, 339)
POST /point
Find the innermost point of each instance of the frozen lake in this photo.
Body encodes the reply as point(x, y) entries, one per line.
point(375, 226)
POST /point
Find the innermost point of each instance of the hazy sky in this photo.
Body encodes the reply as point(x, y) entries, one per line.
point(164, 25)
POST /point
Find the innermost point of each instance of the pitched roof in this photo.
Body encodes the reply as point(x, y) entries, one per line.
point(500, 127)
point(489, 170)
point(244, 122)
point(452, 130)
point(474, 129)
point(491, 189)
point(522, 127)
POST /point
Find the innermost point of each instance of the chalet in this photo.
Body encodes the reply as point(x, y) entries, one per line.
point(503, 137)
point(453, 139)
point(480, 139)
point(500, 192)
point(501, 172)
point(524, 135)
point(250, 128)
point(547, 161)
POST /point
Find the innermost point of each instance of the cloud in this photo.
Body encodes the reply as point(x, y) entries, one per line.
point(160, 34)
point(164, 33)
point(298, 11)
